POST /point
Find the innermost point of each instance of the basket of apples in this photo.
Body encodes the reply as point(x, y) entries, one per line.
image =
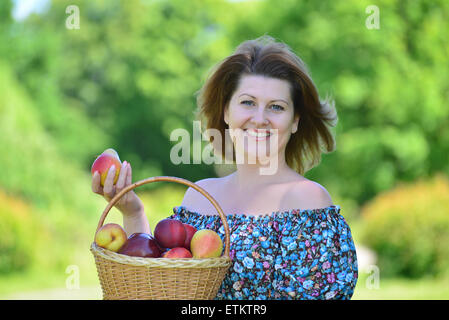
point(177, 263)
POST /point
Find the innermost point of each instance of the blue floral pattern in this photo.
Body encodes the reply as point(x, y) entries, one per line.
point(295, 254)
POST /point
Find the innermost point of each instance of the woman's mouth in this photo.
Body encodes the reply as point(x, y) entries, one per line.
point(258, 134)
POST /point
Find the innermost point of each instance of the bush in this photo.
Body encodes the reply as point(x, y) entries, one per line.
point(408, 228)
point(17, 235)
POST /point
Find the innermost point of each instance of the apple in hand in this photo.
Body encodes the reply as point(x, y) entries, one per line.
point(178, 252)
point(190, 231)
point(206, 244)
point(104, 161)
point(111, 236)
point(170, 233)
point(112, 152)
point(141, 245)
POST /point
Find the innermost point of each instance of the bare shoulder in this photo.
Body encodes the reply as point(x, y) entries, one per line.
point(307, 194)
point(193, 199)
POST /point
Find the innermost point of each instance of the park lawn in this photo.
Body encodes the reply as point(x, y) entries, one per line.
point(389, 289)
point(402, 289)
point(52, 284)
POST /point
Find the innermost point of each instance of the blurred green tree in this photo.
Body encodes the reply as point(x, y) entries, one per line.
point(389, 85)
point(133, 68)
point(127, 77)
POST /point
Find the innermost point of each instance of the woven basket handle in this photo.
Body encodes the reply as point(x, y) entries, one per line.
point(116, 198)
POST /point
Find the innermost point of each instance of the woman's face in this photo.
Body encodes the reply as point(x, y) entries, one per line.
point(258, 105)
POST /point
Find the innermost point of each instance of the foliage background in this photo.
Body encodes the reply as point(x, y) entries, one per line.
point(128, 76)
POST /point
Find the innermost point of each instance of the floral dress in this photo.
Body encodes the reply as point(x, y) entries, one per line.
point(295, 254)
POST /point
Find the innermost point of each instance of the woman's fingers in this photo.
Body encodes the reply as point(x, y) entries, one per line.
point(96, 186)
point(121, 178)
point(128, 174)
point(109, 188)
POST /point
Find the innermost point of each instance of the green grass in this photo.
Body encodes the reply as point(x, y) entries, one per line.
point(389, 289)
point(37, 285)
point(402, 289)
point(396, 288)
point(48, 284)
point(41, 282)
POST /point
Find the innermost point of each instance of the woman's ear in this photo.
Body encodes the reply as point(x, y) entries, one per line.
point(295, 124)
point(226, 117)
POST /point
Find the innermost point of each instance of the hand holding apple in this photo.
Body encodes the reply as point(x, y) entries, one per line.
point(129, 204)
point(104, 162)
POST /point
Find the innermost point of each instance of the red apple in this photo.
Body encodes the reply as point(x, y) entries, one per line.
point(190, 231)
point(111, 236)
point(104, 161)
point(112, 152)
point(178, 252)
point(141, 245)
point(170, 233)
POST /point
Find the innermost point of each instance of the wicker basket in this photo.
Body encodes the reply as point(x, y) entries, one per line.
point(124, 277)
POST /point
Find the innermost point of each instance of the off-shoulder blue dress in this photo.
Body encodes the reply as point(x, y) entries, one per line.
point(295, 254)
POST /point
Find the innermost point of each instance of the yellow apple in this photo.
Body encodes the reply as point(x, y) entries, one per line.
point(206, 244)
point(111, 236)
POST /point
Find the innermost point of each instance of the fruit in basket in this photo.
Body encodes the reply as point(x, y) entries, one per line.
point(111, 236)
point(170, 233)
point(178, 252)
point(141, 245)
point(206, 244)
point(190, 231)
point(104, 161)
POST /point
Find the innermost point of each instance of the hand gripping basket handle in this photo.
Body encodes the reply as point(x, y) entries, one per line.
point(116, 198)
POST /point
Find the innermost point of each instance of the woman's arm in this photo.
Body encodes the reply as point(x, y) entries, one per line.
point(137, 222)
point(131, 207)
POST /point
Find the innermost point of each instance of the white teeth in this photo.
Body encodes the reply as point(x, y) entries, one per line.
point(257, 134)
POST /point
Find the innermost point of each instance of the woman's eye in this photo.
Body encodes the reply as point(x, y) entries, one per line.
point(246, 102)
point(278, 107)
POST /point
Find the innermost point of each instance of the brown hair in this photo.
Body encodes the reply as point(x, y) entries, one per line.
point(266, 57)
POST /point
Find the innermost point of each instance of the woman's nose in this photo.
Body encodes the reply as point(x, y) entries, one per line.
point(259, 117)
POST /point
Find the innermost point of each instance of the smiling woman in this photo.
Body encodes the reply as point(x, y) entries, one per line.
point(259, 124)
point(288, 240)
point(266, 62)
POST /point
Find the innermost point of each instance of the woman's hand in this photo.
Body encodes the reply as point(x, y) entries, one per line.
point(129, 204)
